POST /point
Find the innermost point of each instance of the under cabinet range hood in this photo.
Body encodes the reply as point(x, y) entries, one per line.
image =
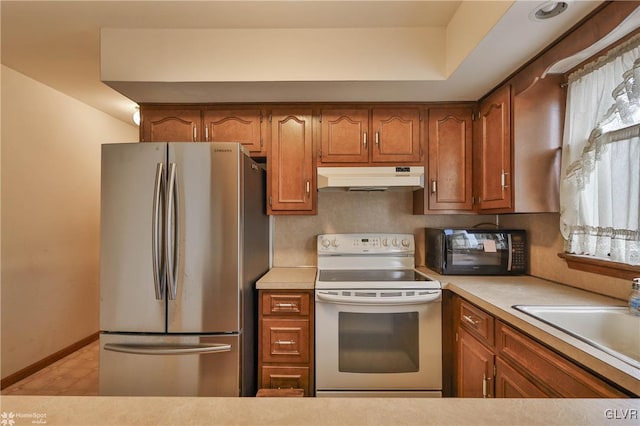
point(407, 178)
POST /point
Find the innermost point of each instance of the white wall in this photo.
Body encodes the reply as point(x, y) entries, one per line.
point(50, 218)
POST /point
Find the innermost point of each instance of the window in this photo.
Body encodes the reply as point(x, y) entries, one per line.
point(600, 183)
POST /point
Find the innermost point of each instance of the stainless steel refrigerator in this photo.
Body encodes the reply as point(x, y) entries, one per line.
point(184, 237)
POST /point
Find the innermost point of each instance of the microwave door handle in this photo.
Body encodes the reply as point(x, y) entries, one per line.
point(510, 247)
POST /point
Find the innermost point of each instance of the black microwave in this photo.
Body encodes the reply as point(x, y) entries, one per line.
point(451, 251)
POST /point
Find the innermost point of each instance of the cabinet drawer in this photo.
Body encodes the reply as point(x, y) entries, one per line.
point(562, 377)
point(477, 322)
point(285, 304)
point(285, 341)
point(285, 378)
point(509, 383)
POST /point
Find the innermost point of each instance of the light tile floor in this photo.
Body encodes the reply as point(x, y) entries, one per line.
point(74, 375)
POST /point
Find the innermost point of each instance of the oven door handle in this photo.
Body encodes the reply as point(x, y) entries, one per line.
point(379, 301)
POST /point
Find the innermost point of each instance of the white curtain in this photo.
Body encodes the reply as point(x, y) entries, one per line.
point(600, 178)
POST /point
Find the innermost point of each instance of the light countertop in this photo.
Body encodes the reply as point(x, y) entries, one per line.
point(303, 278)
point(122, 411)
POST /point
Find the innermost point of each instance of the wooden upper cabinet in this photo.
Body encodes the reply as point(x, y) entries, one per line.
point(246, 126)
point(343, 136)
point(164, 125)
point(291, 184)
point(494, 151)
point(538, 123)
point(396, 135)
point(450, 159)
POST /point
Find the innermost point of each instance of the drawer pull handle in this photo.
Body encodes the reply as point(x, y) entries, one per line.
point(471, 320)
point(286, 305)
point(285, 342)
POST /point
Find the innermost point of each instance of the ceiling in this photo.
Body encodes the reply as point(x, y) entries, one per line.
point(58, 43)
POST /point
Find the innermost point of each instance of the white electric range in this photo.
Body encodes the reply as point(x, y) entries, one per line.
point(378, 319)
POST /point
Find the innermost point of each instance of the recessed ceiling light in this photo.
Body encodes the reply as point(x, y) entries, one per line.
point(548, 10)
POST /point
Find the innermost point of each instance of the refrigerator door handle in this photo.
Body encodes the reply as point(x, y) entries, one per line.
point(167, 349)
point(171, 233)
point(156, 234)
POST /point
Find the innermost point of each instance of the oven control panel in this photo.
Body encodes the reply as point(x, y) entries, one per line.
point(365, 243)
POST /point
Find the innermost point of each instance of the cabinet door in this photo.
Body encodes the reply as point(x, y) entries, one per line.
point(511, 384)
point(166, 125)
point(450, 159)
point(290, 163)
point(343, 136)
point(474, 367)
point(396, 135)
point(244, 126)
point(494, 151)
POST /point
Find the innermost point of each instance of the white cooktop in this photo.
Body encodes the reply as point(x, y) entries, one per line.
point(369, 260)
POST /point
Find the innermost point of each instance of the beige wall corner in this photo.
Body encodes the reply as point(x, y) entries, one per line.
point(50, 218)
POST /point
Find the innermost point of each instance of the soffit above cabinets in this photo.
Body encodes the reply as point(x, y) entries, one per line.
point(276, 51)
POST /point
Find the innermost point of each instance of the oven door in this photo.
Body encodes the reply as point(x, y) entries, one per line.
point(378, 342)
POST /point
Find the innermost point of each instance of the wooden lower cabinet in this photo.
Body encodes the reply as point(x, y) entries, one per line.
point(556, 375)
point(285, 340)
point(493, 359)
point(475, 367)
point(509, 383)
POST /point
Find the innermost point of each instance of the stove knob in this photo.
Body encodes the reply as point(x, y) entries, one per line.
point(395, 242)
point(385, 242)
point(405, 243)
point(325, 243)
point(334, 243)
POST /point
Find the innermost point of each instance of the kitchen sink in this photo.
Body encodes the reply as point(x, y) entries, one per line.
point(611, 329)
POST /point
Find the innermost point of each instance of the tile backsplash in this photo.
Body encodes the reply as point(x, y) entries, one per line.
point(294, 237)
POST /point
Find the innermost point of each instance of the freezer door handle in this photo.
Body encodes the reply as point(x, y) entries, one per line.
point(167, 349)
point(171, 232)
point(159, 281)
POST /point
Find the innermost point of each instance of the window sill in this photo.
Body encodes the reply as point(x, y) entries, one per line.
point(602, 267)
